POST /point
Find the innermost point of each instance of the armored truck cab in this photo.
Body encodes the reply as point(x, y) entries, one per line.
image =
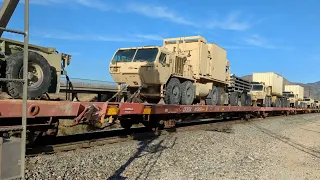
point(146, 69)
point(293, 98)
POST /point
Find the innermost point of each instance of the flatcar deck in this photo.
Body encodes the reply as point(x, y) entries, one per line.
point(12, 109)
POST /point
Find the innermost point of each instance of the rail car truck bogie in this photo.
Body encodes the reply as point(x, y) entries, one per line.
point(45, 68)
point(185, 70)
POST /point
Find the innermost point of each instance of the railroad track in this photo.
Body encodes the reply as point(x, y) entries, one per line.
point(98, 138)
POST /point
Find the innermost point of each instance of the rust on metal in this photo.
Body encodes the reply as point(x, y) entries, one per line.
point(13, 108)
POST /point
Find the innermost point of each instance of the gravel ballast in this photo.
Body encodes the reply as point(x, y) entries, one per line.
point(274, 148)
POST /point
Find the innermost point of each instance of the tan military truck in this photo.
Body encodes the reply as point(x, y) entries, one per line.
point(292, 97)
point(185, 70)
point(267, 89)
point(309, 102)
point(45, 68)
point(294, 93)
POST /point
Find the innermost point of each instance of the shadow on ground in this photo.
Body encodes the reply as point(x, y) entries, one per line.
point(145, 145)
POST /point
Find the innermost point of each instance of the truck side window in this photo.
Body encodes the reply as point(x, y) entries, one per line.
point(162, 58)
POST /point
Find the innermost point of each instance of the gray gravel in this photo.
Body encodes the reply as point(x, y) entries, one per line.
point(275, 148)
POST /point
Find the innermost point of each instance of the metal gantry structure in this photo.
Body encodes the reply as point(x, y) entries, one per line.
point(6, 13)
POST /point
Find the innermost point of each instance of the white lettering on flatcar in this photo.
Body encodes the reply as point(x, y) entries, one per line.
point(197, 109)
point(187, 109)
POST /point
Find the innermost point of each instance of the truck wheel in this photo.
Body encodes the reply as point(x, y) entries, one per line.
point(234, 99)
point(282, 103)
point(213, 96)
point(278, 103)
point(187, 93)
point(266, 102)
point(248, 100)
point(173, 92)
point(221, 99)
point(39, 75)
point(269, 102)
point(243, 99)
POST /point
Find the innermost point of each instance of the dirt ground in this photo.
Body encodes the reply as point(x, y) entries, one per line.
point(273, 148)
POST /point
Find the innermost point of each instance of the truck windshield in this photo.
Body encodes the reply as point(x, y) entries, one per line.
point(257, 88)
point(290, 95)
point(124, 55)
point(148, 55)
point(127, 55)
point(306, 99)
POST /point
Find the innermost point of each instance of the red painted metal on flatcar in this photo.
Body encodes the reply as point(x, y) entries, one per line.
point(12, 109)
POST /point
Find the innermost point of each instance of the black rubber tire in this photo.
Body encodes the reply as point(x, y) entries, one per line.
point(269, 101)
point(213, 97)
point(274, 104)
point(170, 96)
point(243, 99)
point(187, 93)
point(295, 104)
point(233, 99)
point(277, 102)
point(286, 103)
point(15, 63)
point(248, 100)
point(221, 99)
point(265, 102)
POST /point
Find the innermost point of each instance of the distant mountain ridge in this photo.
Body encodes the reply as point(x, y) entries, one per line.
point(312, 89)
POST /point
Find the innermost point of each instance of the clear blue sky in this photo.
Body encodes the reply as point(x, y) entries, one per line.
point(273, 35)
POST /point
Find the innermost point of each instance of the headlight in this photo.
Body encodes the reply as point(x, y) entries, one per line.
point(147, 68)
point(114, 69)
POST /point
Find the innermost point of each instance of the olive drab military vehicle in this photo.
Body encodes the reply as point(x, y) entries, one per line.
point(185, 70)
point(45, 65)
point(45, 68)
